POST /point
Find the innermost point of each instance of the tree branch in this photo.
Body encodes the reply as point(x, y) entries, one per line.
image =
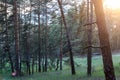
point(89, 23)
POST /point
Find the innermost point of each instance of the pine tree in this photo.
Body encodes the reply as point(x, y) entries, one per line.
point(104, 41)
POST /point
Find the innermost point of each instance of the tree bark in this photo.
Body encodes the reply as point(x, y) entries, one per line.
point(104, 41)
point(17, 49)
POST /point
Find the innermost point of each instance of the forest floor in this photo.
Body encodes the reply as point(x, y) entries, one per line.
point(80, 64)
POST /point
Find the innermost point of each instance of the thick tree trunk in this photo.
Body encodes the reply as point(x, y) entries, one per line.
point(68, 39)
point(17, 50)
point(104, 41)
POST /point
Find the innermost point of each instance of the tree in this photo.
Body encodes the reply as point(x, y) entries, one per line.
point(104, 41)
point(46, 35)
point(7, 45)
point(17, 48)
point(61, 45)
point(89, 29)
point(68, 39)
point(39, 39)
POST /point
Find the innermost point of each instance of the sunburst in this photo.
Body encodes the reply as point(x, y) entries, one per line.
point(113, 4)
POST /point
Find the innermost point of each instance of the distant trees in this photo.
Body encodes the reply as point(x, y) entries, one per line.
point(36, 35)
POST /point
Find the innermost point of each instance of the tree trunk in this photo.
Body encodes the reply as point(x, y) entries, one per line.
point(68, 39)
point(61, 47)
point(33, 63)
point(7, 42)
point(104, 41)
point(39, 54)
point(89, 27)
point(17, 50)
point(57, 64)
point(46, 36)
point(43, 63)
point(39, 41)
point(26, 48)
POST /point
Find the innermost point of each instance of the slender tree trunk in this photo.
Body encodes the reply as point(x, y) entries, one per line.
point(46, 35)
point(61, 47)
point(68, 39)
point(46, 62)
point(11, 62)
point(89, 55)
point(28, 43)
point(27, 52)
point(104, 41)
point(17, 50)
point(26, 47)
point(43, 62)
point(57, 64)
point(36, 63)
point(39, 41)
point(33, 64)
point(19, 25)
point(7, 42)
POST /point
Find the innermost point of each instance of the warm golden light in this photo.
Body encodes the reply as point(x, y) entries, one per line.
point(113, 4)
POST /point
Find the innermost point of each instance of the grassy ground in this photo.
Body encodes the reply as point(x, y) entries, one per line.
point(80, 63)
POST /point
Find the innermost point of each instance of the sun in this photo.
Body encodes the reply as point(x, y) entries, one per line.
point(113, 4)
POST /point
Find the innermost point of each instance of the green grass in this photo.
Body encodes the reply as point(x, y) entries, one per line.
point(60, 75)
point(80, 63)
